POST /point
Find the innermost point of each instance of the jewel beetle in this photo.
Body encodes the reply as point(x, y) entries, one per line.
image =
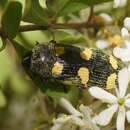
point(71, 65)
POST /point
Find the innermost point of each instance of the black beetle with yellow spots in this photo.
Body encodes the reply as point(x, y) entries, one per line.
point(82, 67)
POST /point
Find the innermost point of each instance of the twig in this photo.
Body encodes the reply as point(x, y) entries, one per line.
point(91, 14)
point(24, 28)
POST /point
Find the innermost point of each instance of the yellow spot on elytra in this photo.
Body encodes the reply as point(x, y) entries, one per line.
point(111, 81)
point(57, 69)
point(113, 62)
point(86, 54)
point(83, 73)
point(115, 40)
point(59, 50)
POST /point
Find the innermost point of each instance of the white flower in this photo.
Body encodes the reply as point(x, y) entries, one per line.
point(114, 40)
point(80, 118)
point(67, 105)
point(107, 18)
point(102, 44)
point(119, 103)
point(124, 53)
point(127, 23)
point(119, 3)
point(117, 40)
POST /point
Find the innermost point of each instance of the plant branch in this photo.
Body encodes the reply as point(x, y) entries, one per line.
point(91, 13)
point(24, 28)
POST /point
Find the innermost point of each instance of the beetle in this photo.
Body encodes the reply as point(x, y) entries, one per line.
point(71, 65)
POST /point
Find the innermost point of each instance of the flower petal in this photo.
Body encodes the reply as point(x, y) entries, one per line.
point(123, 80)
point(95, 126)
point(56, 127)
point(127, 102)
point(106, 17)
point(77, 121)
point(128, 116)
point(122, 53)
point(123, 3)
point(127, 23)
point(120, 123)
point(102, 44)
point(102, 94)
point(129, 67)
point(86, 111)
point(68, 106)
point(127, 43)
point(116, 3)
point(73, 118)
point(119, 3)
point(127, 96)
point(118, 52)
point(59, 122)
point(105, 116)
point(124, 32)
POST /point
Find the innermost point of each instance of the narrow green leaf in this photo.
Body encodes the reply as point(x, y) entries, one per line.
point(67, 38)
point(72, 7)
point(2, 99)
point(56, 6)
point(93, 2)
point(34, 13)
point(64, 7)
point(2, 44)
point(60, 35)
point(11, 18)
point(73, 40)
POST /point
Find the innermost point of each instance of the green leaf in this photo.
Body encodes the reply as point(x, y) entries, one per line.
point(53, 90)
point(3, 3)
point(67, 38)
point(2, 44)
point(57, 90)
point(2, 99)
point(56, 6)
point(64, 7)
point(11, 18)
point(21, 51)
point(60, 35)
point(73, 40)
point(76, 5)
point(93, 2)
point(34, 13)
point(72, 7)
point(118, 13)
